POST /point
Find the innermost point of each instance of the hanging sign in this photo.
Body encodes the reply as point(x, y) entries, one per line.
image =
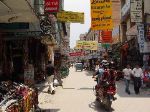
point(51, 6)
point(106, 36)
point(125, 9)
point(101, 15)
point(87, 45)
point(68, 16)
point(136, 11)
point(90, 45)
point(141, 39)
point(148, 32)
point(76, 54)
point(106, 45)
point(146, 48)
point(79, 45)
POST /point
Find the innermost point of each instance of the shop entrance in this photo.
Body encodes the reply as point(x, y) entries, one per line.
point(16, 47)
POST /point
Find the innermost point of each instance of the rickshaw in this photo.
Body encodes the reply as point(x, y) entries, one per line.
point(79, 66)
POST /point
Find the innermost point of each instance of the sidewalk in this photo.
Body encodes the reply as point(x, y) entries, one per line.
point(45, 99)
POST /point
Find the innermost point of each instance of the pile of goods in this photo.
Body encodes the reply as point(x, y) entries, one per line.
point(16, 97)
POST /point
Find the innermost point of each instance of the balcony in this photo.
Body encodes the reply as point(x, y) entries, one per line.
point(125, 11)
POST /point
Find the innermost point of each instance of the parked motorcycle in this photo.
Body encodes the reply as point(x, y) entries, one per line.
point(105, 92)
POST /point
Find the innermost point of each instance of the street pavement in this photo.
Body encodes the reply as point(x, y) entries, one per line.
point(77, 95)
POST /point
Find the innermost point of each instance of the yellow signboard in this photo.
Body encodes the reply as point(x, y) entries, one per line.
point(101, 15)
point(87, 45)
point(79, 44)
point(68, 16)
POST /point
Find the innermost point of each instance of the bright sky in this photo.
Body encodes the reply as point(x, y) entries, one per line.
point(77, 28)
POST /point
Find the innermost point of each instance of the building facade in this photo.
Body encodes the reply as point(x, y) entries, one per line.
point(29, 37)
point(134, 32)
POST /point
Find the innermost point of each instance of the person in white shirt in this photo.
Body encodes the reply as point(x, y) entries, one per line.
point(127, 76)
point(138, 74)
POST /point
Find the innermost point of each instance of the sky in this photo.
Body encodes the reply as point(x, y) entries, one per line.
point(76, 28)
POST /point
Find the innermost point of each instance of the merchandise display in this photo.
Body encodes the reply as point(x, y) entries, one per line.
point(16, 97)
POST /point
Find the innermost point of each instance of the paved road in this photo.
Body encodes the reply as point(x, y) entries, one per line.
point(77, 96)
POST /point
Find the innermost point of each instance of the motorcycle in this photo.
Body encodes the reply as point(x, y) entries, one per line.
point(105, 92)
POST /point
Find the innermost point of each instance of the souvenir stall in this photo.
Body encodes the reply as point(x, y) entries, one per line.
point(16, 97)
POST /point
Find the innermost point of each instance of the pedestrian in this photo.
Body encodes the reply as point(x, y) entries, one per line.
point(58, 76)
point(138, 74)
point(127, 76)
point(50, 70)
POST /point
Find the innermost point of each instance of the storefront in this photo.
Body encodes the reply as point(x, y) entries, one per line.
point(20, 54)
point(130, 53)
point(115, 55)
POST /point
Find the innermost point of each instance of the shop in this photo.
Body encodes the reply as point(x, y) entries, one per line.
point(115, 55)
point(130, 53)
point(16, 97)
point(38, 58)
point(22, 59)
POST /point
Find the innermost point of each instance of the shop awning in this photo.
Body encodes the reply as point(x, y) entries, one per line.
point(21, 35)
point(132, 32)
point(16, 11)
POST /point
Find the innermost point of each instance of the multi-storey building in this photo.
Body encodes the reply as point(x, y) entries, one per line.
point(133, 49)
point(29, 36)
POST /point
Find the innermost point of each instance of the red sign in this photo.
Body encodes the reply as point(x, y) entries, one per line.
point(148, 32)
point(106, 36)
point(76, 54)
point(51, 6)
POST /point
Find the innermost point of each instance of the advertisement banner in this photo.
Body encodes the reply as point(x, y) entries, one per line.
point(126, 8)
point(101, 15)
point(136, 11)
point(51, 6)
point(141, 39)
point(148, 32)
point(90, 45)
point(106, 36)
point(146, 48)
point(68, 16)
point(79, 45)
point(87, 45)
point(76, 54)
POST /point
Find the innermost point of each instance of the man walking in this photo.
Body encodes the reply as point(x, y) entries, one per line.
point(137, 73)
point(50, 77)
point(127, 76)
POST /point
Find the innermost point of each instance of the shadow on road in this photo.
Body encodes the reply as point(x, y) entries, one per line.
point(41, 87)
point(89, 73)
point(68, 88)
point(50, 110)
point(144, 92)
point(85, 88)
point(96, 106)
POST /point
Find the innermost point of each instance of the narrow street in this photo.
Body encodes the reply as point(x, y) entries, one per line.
point(77, 96)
